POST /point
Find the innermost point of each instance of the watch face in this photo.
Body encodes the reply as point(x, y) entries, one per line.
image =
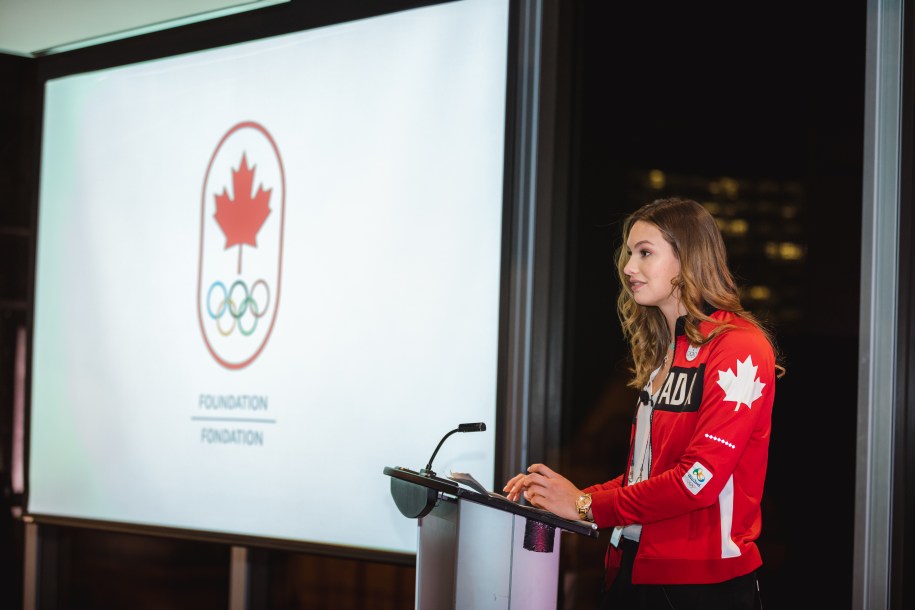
point(584, 503)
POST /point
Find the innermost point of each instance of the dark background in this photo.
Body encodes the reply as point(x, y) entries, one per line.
point(771, 97)
point(755, 108)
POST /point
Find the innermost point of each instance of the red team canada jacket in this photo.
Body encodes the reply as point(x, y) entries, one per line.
point(700, 507)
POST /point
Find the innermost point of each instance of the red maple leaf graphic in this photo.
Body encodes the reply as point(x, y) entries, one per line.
point(241, 218)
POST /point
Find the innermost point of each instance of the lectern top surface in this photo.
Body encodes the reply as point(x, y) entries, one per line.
point(492, 500)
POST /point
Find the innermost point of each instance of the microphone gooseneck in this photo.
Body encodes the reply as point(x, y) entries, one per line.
point(475, 427)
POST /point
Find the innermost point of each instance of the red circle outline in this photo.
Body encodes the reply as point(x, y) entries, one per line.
point(279, 269)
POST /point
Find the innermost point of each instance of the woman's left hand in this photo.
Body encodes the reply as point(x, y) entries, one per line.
point(545, 488)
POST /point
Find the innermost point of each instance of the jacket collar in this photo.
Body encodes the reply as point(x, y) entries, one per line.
point(680, 326)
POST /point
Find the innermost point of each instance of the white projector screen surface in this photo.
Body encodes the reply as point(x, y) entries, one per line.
point(267, 271)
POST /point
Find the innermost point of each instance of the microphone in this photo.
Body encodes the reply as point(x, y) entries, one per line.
point(475, 427)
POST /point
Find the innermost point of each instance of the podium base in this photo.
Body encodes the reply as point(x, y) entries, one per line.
point(470, 557)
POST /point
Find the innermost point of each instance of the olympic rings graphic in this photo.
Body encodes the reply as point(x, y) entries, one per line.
point(237, 307)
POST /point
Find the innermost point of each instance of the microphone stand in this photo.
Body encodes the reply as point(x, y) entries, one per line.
point(475, 427)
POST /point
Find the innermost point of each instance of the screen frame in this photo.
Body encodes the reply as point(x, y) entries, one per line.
point(247, 27)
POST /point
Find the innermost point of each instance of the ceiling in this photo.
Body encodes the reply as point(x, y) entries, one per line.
point(37, 27)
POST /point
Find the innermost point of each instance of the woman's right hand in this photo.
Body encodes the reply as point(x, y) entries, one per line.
point(515, 487)
point(545, 488)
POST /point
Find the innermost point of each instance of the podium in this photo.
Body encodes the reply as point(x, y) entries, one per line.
point(480, 551)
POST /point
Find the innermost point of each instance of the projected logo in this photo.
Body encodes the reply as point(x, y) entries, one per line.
point(241, 245)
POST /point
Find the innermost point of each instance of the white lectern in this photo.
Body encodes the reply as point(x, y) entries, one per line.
point(478, 551)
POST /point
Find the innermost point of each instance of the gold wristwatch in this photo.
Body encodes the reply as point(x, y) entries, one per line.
point(583, 504)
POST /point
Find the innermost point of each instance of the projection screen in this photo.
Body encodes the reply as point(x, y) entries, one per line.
point(266, 271)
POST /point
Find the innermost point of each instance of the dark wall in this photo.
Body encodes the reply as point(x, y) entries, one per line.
point(17, 114)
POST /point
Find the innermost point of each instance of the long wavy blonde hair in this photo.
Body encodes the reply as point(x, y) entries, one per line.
point(704, 278)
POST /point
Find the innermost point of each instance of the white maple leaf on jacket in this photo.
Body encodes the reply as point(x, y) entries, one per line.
point(744, 387)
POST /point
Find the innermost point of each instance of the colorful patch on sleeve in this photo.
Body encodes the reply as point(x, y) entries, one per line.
point(696, 477)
